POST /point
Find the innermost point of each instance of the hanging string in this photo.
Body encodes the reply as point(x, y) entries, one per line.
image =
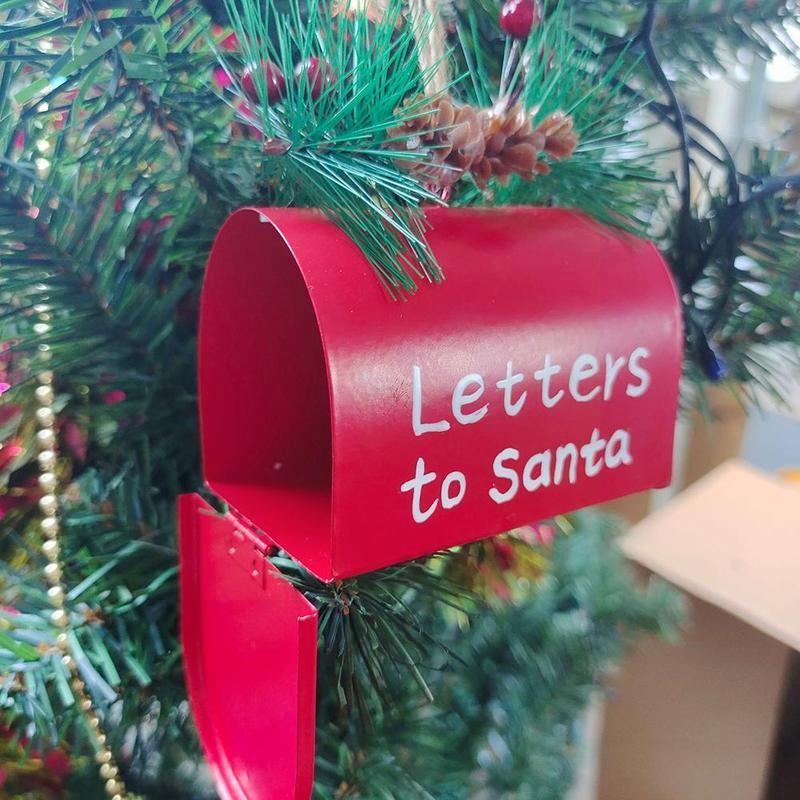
point(426, 18)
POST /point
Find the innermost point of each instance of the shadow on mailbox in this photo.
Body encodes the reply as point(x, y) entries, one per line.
point(355, 432)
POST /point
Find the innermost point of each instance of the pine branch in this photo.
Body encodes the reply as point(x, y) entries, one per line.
point(324, 134)
point(704, 245)
point(745, 290)
point(121, 567)
point(372, 630)
point(610, 175)
point(504, 707)
point(696, 37)
point(645, 39)
point(706, 34)
point(151, 82)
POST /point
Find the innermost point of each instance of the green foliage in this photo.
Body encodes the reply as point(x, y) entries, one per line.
point(694, 37)
point(375, 628)
point(119, 563)
point(504, 722)
point(105, 223)
point(611, 175)
point(713, 232)
point(334, 130)
point(744, 285)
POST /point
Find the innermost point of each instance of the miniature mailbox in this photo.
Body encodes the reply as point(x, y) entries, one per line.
point(355, 432)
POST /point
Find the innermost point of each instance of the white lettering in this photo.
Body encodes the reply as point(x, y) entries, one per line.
point(618, 451)
point(591, 454)
point(462, 397)
point(638, 371)
point(543, 461)
point(415, 485)
point(510, 475)
point(566, 450)
point(544, 374)
point(419, 426)
point(448, 500)
point(585, 366)
point(613, 366)
point(511, 406)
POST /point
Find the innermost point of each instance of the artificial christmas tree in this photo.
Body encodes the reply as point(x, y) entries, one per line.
point(129, 131)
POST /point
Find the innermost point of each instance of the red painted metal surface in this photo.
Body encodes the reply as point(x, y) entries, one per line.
point(358, 432)
point(250, 652)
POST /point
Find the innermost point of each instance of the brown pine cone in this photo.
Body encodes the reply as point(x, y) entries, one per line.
point(490, 143)
point(420, 125)
point(466, 134)
point(512, 147)
point(560, 138)
point(453, 136)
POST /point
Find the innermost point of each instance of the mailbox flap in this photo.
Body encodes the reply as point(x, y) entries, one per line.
point(357, 431)
point(250, 650)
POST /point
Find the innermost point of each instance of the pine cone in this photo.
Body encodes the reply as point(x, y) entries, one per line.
point(489, 143)
point(452, 136)
point(421, 124)
point(512, 147)
point(560, 138)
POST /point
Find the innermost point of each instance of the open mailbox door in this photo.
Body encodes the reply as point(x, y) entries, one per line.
point(355, 432)
point(250, 650)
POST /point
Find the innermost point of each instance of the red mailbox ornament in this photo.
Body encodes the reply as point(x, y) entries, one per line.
point(356, 432)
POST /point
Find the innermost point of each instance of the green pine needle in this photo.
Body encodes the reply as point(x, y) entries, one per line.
point(611, 175)
point(333, 142)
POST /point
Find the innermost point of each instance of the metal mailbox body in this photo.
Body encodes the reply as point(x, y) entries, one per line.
point(307, 375)
point(356, 432)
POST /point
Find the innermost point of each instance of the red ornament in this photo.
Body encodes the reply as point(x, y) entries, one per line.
point(518, 17)
point(536, 380)
point(9, 452)
point(230, 42)
point(276, 83)
point(57, 764)
point(114, 396)
point(511, 393)
point(320, 75)
point(222, 77)
point(74, 440)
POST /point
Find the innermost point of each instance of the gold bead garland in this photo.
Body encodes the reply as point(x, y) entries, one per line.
point(49, 526)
